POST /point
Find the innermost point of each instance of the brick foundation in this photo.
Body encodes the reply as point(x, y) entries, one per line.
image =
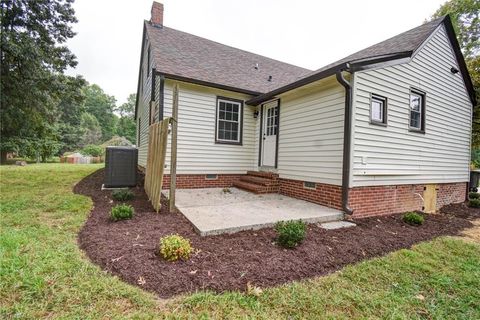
point(376, 200)
point(193, 181)
point(451, 193)
point(365, 201)
point(324, 194)
point(382, 200)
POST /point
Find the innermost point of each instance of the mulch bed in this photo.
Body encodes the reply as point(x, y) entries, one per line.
point(129, 248)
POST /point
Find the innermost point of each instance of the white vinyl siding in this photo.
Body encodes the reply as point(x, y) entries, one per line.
point(197, 151)
point(143, 111)
point(311, 134)
point(394, 154)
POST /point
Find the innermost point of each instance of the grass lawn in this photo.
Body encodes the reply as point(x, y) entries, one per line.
point(43, 274)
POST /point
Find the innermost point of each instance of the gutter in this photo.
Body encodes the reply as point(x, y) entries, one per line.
point(347, 130)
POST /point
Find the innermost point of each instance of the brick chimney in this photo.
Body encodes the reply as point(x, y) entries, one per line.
point(157, 14)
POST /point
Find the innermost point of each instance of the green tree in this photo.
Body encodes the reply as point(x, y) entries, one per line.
point(70, 110)
point(33, 55)
point(126, 126)
point(101, 105)
point(127, 108)
point(91, 130)
point(473, 65)
point(465, 15)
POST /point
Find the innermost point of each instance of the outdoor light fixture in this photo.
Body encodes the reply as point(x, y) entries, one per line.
point(255, 114)
point(454, 70)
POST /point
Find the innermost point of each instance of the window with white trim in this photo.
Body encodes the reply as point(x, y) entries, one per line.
point(417, 110)
point(378, 109)
point(229, 121)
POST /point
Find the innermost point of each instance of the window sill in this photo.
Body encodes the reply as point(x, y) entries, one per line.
point(228, 142)
point(378, 123)
point(416, 130)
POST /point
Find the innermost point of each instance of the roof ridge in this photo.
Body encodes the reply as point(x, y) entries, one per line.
point(229, 46)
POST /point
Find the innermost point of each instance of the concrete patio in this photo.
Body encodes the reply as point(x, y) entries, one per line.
point(213, 211)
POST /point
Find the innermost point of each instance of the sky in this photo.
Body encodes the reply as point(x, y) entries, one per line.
point(305, 33)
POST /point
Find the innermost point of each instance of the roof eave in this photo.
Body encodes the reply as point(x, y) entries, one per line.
point(139, 73)
point(207, 83)
point(300, 83)
point(351, 66)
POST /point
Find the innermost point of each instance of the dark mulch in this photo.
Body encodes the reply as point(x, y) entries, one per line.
point(128, 249)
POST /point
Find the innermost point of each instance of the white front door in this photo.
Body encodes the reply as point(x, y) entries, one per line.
point(269, 133)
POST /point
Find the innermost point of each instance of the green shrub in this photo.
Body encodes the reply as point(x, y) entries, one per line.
point(174, 247)
point(413, 218)
point(92, 150)
point(473, 195)
point(290, 233)
point(122, 212)
point(474, 203)
point(122, 195)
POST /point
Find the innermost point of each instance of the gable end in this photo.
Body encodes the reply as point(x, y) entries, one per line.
point(460, 59)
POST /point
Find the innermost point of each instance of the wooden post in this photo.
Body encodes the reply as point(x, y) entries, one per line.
point(173, 150)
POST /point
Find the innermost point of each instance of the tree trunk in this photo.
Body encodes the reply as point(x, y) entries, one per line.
point(3, 158)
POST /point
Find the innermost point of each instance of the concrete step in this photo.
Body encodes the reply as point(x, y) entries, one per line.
point(252, 187)
point(263, 174)
point(259, 180)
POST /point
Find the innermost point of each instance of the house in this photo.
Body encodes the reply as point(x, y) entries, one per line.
point(384, 130)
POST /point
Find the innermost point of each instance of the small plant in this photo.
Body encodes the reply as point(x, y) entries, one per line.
point(122, 195)
point(227, 190)
point(474, 203)
point(121, 212)
point(413, 218)
point(253, 290)
point(473, 195)
point(290, 233)
point(174, 247)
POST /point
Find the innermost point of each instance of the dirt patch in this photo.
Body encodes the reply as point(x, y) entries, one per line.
point(472, 234)
point(463, 211)
point(128, 249)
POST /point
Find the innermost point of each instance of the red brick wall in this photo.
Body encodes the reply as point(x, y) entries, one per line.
point(382, 200)
point(192, 181)
point(373, 201)
point(324, 194)
point(451, 193)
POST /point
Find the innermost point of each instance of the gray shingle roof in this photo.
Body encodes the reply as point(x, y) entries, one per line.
point(185, 55)
point(404, 43)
